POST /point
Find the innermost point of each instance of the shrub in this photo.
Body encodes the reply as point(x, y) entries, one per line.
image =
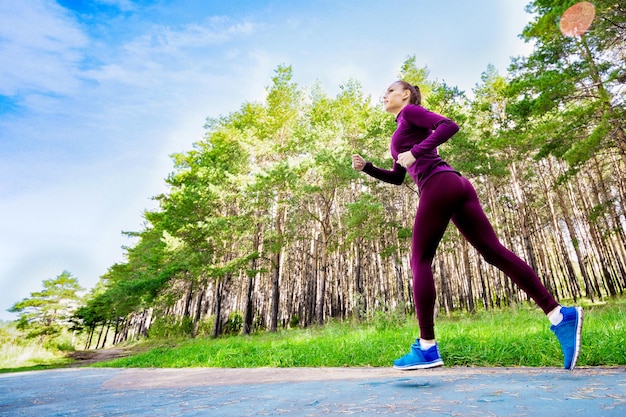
point(169, 327)
point(234, 323)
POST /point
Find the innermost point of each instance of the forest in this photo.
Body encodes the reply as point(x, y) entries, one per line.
point(265, 225)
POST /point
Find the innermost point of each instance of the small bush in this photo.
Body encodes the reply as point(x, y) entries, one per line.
point(19, 351)
point(234, 323)
point(170, 327)
point(205, 327)
point(65, 346)
point(384, 319)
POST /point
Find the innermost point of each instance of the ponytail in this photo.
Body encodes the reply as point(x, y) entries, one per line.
point(416, 95)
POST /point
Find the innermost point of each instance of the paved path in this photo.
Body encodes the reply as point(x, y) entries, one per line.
point(315, 392)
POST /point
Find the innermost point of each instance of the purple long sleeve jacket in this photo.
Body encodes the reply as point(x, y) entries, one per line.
point(420, 131)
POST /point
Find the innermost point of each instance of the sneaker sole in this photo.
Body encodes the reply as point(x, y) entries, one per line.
point(577, 343)
point(420, 366)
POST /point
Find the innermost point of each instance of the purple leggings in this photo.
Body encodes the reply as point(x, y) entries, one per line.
point(448, 196)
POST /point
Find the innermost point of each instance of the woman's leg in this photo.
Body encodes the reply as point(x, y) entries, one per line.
point(471, 221)
point(438, 201)
point(567, 324)
point(448, 196)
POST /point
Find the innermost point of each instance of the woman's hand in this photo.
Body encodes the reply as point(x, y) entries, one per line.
point(406, 159)
point(358, 162)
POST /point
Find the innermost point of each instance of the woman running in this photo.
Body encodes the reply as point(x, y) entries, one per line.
point(446, 195)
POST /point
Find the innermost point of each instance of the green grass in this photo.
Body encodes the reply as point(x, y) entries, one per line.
point(511, 337)
point(17, 352)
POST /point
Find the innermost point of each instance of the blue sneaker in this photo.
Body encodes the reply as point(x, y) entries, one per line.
point(569, 334)
point(419, 359)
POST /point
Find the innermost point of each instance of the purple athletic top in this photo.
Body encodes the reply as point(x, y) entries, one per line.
point(420, 131)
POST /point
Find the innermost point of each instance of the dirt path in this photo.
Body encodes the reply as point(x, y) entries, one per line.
point(88, 357)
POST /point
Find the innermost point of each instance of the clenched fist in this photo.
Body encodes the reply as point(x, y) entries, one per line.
point(358, 162)
point(406, 159)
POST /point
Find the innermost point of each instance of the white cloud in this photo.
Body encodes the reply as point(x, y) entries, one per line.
point(123, 5)
point(216, 30)
point(40, 47)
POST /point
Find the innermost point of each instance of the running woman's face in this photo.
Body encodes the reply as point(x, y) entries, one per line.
point(395, 98)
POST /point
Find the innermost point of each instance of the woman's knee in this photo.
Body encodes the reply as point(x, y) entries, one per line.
point(421, 259)
point(495, 256)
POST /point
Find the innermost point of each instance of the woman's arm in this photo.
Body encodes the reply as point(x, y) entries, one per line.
point(442, 128)
point(395, 176)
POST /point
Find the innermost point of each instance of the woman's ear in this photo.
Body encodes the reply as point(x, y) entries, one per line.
point(406, 95)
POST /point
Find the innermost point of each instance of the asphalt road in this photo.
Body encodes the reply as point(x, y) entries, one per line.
point(314, 392)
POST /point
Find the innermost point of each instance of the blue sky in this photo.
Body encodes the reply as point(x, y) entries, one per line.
point(96, 94)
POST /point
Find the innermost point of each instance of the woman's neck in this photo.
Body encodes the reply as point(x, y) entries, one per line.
point(397, 112)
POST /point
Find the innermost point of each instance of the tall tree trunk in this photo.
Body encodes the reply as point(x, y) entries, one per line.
point(276, 265)
point(106, 334)
point(313, 281)
point(467, 277)
point(359, 290)
point(248, 315)
point(92, 329)
point(275, 301)
point(448, 301)
point(189, 298)
point(198, 314)
point(523, 216)
point(219, 296)
point(321, 287)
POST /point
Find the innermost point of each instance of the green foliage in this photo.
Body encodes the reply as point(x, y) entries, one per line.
point(46, 312)
point(363, 218)
point(168, 327)
point(585, 148)
point(414, 75)
point(383, 319)
point(63, 346)
point(17, 351)
point(565, 94)
point(205, 326)
point(233, 323)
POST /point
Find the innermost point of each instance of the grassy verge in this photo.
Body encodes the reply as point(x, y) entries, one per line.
point(17, 352)
point(512, 337)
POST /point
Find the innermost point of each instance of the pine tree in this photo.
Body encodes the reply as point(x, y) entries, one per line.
point(47, 312)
